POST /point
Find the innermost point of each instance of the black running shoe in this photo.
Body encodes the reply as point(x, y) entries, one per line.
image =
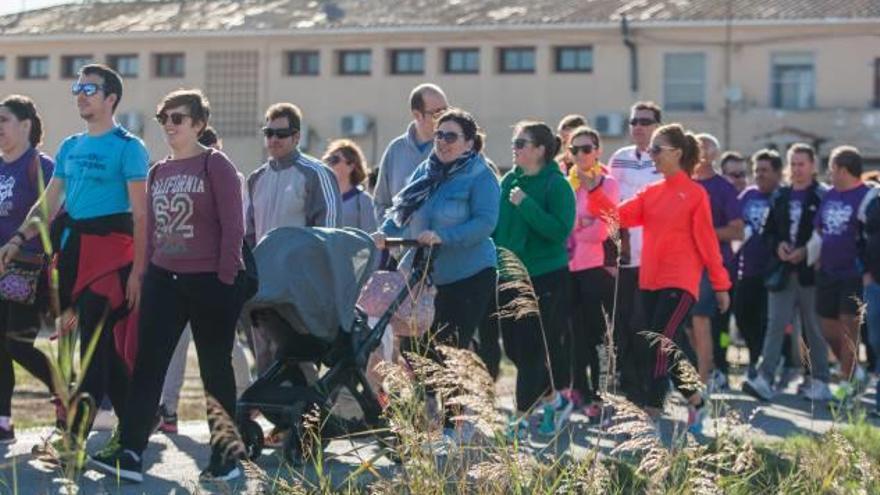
point(118, 462)
point(220, 471)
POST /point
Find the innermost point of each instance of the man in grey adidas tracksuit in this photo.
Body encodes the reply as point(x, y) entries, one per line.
point(292, 189)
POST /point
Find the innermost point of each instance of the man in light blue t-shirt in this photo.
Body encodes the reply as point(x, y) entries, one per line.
point(100, 180)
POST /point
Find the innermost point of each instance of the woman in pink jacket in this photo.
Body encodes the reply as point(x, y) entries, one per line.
point(592, 274)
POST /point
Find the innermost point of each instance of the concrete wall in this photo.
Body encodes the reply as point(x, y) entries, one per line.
point(844, 57)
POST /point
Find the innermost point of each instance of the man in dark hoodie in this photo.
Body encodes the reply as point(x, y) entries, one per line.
point(409, 150)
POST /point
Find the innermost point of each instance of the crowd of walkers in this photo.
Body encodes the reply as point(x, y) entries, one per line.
point(653, 257)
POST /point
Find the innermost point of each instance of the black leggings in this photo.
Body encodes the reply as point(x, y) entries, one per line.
point(628, 322)
point(524, 342)
point(750, 309)
point(666, 311)
point(106, 374)
point(168, 302)
point(592, 293)
point(458, 309)
point(19, 325)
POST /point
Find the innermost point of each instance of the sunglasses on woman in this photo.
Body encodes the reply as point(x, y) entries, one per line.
point(447, 137)
point(88, 89)
point(586, 149)
point(333, 160)
point(176, 118)
point(521, 143)
point(657, 149)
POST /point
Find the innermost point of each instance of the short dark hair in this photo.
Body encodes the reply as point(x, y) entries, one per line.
point(112, 80)
point(289, 110)
point(768, 155)
point(417, 96)
point(194, 100)
point(571, 121)
point(586, 131)
point(468, 125)
point(802, 148)
point(848, 158)
point(24, 109)
point(730, 156)
point(648, 105)
point(541, 135)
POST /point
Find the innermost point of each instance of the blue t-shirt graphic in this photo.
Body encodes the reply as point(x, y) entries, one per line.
point(96, 171)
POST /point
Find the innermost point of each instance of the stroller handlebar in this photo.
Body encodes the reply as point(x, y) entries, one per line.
point(399, 242)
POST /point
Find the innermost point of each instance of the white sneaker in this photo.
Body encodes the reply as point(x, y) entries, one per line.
point(818, 391)
point(758, 388)
point(105, 420)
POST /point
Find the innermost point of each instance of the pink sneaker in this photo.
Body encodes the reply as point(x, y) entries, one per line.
point(574, 397)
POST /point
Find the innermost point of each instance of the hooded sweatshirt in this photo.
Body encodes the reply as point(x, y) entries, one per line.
point(537, 230)
point(399, 161)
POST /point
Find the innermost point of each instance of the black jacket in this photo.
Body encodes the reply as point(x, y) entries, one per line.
point(778, 227)
point(872, 239)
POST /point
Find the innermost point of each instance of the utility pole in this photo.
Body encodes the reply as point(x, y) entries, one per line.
point(728, 94)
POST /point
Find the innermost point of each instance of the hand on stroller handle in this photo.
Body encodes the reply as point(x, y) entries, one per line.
point(400, 242)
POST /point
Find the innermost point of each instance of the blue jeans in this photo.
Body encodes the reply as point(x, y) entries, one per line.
point(872, 299)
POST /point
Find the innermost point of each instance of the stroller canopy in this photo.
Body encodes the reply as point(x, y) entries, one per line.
point(312, 277)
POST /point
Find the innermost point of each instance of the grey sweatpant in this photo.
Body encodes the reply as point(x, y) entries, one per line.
point(782, 306)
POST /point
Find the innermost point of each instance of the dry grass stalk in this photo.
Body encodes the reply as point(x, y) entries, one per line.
point(644, 438)
point(688, 375)
point(515, 278)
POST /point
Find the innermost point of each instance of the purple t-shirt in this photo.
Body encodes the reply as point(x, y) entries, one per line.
point(725, 208)
point(837, 223)
point(19, 192)
point(755, 253)
point(195, 217)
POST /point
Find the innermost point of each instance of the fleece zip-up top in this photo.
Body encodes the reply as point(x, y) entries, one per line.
point(294, 191)
point(537, 230)
point(679, 239)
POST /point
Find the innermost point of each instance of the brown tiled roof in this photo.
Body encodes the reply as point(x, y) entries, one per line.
point(144, 16)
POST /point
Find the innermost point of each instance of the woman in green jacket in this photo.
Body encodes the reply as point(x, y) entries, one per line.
point(536, 217)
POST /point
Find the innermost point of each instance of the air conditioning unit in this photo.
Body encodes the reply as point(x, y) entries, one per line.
point(610, 124)
point(132, 121)
point(356, 124)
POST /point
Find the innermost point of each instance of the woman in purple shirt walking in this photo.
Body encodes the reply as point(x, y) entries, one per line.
point(21, 131)
point(195, 232)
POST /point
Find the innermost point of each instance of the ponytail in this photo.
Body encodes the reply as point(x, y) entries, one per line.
point(682, 140)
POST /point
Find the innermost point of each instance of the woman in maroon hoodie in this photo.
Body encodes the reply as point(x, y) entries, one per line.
point(195, 233)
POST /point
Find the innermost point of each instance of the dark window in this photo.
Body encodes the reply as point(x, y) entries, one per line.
point(170, 65)
point(303, 63)
point(684, 82)
point(517, 60)
point(462, 61)
point(793, 84)
point(877, 83)
point(33, 67)
point(574, 59)
point(125, 65)
point(355, 62)
point(71, 64)
point(2, 67)
point(407, 61)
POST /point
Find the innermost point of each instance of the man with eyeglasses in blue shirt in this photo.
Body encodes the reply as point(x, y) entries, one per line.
point(100, 181)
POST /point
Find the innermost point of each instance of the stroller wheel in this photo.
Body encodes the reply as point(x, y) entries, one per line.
point(298, 449)
point(252, 436)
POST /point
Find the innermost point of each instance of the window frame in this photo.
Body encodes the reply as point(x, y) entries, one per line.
point(502, 69)
point(157, 64)
point(776, 95)
point(447, 60)
point(340, 67)
point(23, 64)
point(395, 69)
point(558, 51)
point(304, 56)
point(113, 62)
point(672, 107)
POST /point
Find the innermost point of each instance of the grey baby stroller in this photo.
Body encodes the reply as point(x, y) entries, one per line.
point(310, 279)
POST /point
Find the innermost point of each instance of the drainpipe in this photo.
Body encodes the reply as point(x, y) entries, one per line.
point(633, 55)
